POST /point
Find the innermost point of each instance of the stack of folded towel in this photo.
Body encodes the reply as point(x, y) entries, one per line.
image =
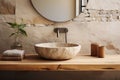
point(13, 54)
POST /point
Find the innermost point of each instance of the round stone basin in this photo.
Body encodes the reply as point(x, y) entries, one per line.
point(57, 51)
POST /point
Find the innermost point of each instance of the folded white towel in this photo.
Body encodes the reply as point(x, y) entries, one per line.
point(13, 52)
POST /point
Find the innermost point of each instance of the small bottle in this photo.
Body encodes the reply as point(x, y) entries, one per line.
point(94, 49)
point(101, 52)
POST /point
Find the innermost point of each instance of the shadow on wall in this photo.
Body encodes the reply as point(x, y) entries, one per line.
point(60, 75)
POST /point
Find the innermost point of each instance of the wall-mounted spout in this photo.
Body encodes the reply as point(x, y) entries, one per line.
point(58, 33)
point(61, 30)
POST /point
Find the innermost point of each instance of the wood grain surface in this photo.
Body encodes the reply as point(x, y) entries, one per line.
point(80, 63)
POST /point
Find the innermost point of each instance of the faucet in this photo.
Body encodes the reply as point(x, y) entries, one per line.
point(58, 31)
point(61, 30)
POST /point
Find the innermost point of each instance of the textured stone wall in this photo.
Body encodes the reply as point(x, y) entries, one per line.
point(40, 30)
point(7, 6)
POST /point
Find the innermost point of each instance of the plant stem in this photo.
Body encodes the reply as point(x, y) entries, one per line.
point(17, 35)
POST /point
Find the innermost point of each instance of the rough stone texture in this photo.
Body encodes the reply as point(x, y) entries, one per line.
point(41, 30)
point(25, 10)
point(57, 51)
point(7, 7)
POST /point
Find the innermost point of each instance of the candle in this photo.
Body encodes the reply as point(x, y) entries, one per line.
point(94, 49)
point(101, 52)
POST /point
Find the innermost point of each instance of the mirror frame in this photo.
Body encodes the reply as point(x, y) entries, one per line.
point(80, 9)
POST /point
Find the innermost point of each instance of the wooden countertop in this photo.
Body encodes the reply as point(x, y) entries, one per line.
point(79, 63)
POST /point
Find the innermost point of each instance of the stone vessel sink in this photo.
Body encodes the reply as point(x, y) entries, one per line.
point(57, 51)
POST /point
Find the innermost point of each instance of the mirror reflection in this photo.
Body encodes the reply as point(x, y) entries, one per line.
point(59, 10)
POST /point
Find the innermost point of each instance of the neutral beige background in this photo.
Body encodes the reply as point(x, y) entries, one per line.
point(84, 33)
point(104, 33)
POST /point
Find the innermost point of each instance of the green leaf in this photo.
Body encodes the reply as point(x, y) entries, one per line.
point(21, 26)
point(12, 25)
point(12, 34)
point(22, 31)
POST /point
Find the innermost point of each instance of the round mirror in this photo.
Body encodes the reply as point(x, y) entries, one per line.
point(59, 10)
